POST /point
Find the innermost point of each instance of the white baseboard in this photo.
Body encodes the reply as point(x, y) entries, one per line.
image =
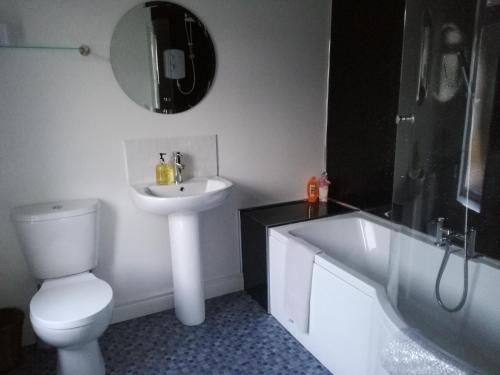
point(165, 301)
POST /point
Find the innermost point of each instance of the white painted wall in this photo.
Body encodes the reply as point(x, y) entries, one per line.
point(63, 118)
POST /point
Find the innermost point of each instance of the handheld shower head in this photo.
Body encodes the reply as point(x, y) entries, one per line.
point(188, 18)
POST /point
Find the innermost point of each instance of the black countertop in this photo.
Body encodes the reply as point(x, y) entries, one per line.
point(292, 212)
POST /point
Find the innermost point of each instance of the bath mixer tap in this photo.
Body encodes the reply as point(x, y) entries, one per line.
point(178, 167)
point(447, 238)
point(443, 234)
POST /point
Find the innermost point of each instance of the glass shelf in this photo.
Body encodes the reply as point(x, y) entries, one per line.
point(84, 50)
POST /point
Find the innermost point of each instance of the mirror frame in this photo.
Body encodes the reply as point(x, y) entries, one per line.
point(163, 57)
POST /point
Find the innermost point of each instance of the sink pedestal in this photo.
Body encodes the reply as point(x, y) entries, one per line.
point(181, 203)
point(189, 297)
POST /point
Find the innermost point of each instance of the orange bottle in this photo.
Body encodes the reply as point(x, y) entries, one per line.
point(312, 190)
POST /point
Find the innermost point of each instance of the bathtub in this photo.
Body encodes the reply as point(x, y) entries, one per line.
point(353, 326)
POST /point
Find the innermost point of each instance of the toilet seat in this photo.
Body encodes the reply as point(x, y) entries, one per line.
point(70, 302)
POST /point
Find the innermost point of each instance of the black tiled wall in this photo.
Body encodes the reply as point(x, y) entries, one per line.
point(363, 100)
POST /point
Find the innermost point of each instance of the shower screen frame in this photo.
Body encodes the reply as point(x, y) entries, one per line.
point(480, 108)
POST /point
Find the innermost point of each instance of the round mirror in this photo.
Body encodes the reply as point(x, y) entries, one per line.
point(162, 57)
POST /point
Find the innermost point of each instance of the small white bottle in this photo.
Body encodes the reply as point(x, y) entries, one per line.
point(323, 187)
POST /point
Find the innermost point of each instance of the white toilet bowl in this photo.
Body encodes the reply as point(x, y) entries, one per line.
point(70, 313)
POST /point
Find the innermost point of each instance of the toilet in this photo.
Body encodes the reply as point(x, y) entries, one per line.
point(73, 307)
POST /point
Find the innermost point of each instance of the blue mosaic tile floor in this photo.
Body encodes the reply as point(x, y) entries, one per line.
point(238, 337)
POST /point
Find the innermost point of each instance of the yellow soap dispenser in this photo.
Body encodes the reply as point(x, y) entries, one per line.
point(170, 173)
point(162, 169)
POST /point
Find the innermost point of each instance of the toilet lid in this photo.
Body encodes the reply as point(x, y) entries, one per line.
point(70, 302)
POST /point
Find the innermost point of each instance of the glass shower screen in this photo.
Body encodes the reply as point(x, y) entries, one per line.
point(447, 96)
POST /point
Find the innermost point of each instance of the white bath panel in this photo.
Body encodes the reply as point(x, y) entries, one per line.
point(340, 311)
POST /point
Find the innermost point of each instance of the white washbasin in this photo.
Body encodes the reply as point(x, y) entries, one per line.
point(194, 195)
point(181, 203)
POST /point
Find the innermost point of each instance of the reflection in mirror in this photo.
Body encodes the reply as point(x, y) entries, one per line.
point(163, 57)
point(425, 41)
point(479, 118)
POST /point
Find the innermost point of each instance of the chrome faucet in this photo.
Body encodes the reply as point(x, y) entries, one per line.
point(178, 167)
point(443, 235)
point(446, 238)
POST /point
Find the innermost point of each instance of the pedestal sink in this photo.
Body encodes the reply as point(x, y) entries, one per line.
point(182, 203)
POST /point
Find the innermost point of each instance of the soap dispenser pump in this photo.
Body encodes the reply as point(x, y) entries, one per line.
point(164, 172)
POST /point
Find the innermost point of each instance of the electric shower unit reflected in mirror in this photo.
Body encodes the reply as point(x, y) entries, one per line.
point(163, 57)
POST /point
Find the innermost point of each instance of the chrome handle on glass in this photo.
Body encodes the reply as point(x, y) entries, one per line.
point(408, 119)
